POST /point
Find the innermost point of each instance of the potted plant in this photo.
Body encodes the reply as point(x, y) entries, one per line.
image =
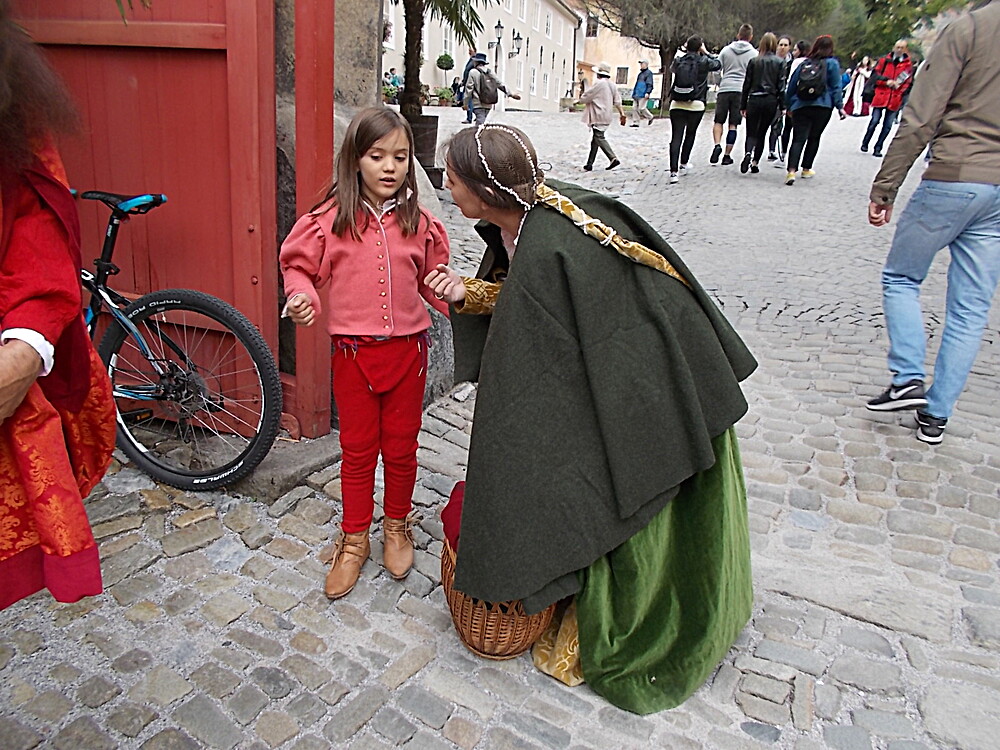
point(445, 63)
point(445, 96)
point(461, 15)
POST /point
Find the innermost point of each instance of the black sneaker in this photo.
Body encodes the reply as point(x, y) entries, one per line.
point(897, 397)
point(772, 156)
point(727, 160)
point(745, 164)
point(614, 163)
point(864, 147)
point(588, 167)
point(930, 429)
point(716, 153)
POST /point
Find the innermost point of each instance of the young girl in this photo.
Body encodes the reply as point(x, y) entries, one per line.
point(371, 241)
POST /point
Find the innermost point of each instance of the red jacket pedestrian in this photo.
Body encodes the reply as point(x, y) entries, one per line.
point(893, 76)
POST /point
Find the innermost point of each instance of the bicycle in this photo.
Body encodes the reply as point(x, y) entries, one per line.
point(196, 388)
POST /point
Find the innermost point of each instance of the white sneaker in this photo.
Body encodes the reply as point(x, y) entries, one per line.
point(674, 178)
point(685, 169)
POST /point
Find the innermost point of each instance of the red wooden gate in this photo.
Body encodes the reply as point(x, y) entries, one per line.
point(180, 100)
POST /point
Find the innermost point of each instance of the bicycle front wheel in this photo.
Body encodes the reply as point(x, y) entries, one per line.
point(197, 390)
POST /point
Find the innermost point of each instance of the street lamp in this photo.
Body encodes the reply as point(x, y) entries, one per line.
point(496, 56)
point(517, 45)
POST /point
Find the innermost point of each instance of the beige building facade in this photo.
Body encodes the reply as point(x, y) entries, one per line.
point(550, 32)
point(601, 44)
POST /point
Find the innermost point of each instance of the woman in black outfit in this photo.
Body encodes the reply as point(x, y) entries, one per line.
point(687, 108)
point(763, 87)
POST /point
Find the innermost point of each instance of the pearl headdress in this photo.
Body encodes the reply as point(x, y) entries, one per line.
point(489, 172)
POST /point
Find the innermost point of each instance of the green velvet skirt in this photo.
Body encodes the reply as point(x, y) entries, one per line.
point(657, 614)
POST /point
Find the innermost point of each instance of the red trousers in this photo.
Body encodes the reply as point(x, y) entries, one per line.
point(378, 387)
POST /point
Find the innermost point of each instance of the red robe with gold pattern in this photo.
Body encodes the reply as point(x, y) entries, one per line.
point(57, 444)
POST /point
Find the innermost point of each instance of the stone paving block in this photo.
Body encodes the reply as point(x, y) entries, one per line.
point(227, 553)
point(804, 702)
point(625, 723)
point(276, 728)
point(225, 608)
point(763, 710)
point(847, 738)
point(436, 618)
point(192, 538)
point(761, 732)
point(189, 567)
point(807, 661)
point(161, 686)
point(984, 626)
point(288, 501)
point(866, 673)
point(191, 517)
point(499, 738)
point(97, 691)
point(257, 643)
point(462, 732)
point(354, 714)
point(310, 742)
point(537, 729)
point(215, 680)
point(766, 688)
point(203, 719)
point(17, 736)
point(407, 665)
point(50, 706)
point(303, 530)
point(883, 723)
point(308, 672)
point(827, 700)
point(274, 682)
point(392, 725)
point(83, 732)
point(122, 565)
point(238, 660)
point(170, 739)
point(424, 705)
point(257, 536)
point(240, 518)
point(988, 541)
point(864, 640)
point(246, 703)
point(286, 549)
point(307, 709)
point(63, 672)
point(136, 588)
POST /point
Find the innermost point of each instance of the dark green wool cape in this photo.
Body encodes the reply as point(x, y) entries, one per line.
point(602, 384)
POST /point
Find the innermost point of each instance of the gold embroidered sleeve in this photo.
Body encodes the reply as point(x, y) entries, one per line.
point(480, 297)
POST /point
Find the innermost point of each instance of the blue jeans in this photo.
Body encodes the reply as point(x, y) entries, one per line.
point(890, 118)
point(965, 217)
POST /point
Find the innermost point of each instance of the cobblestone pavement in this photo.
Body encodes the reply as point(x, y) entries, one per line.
point(877, 616)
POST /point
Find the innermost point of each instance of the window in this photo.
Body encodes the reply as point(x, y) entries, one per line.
point(553, 65)
point(541, 51)
point(536, 16)
point(448, 41)
point(545, 85)
point(556, 89)
point(520, 75)
point(548, 24)
point(591, 27)
point(562, 30)
point(522, 9)
point(507, 5)
point(533, 89)
point(621, 76)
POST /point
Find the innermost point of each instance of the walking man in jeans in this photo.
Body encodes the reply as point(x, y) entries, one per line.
point(640, 95)
point(955, 106)
point(893, 75)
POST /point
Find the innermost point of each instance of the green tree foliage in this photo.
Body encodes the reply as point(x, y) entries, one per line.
point(461, 15)
point(886, 21)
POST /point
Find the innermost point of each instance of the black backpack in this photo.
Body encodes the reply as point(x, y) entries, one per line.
point(489, 87)
point(812, 78)
point(685, 85)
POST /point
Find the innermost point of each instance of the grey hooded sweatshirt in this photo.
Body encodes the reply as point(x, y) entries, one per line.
point(735, 57)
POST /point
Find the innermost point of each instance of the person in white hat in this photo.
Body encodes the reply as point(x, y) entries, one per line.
point(600, 100)
point(640, 95)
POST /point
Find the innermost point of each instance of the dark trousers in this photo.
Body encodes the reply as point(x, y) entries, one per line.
point(379, 390)
point(598, 141)
point(760, 114)
point(887, 122)
point(786, 133)
point(777, 133)
point(683, 129)
point(808, 125)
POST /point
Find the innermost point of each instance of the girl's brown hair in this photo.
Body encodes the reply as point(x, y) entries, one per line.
point(768, 44)
point(34, 101)
point(822, 47)
point(507, 160)
point(368, 126)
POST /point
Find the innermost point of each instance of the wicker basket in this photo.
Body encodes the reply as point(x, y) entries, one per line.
point(493, 630)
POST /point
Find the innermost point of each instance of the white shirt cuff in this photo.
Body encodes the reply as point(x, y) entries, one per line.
point(37, 342)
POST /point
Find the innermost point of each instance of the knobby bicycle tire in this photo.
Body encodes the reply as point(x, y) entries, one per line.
point(199, 405)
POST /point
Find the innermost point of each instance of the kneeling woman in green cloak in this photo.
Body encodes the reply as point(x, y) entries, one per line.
point(603, 467)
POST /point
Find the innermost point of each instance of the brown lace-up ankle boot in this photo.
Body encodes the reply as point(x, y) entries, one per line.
point(349, 555)
point(397, 545)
